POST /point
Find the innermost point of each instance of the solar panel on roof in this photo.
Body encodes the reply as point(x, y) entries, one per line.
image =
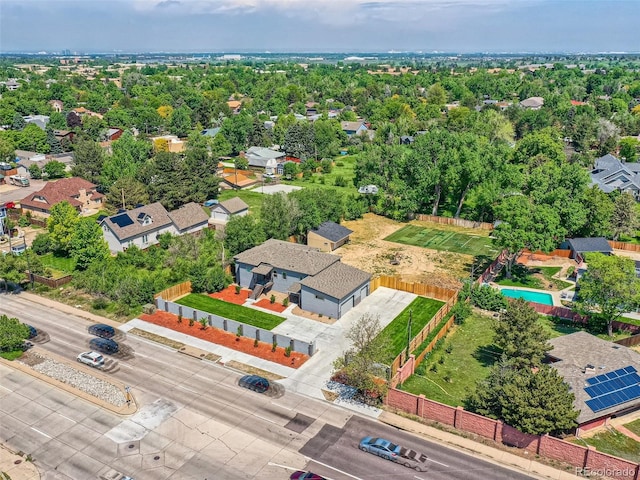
point(613, 388)
point(122, 220)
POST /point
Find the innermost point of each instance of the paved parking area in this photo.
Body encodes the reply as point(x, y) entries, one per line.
point(271, 189)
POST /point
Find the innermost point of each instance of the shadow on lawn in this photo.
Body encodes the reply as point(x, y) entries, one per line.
point(487, 355)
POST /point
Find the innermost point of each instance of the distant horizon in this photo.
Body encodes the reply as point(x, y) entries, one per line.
point(322, 26)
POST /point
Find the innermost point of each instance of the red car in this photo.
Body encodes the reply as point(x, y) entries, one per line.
point(300, 475)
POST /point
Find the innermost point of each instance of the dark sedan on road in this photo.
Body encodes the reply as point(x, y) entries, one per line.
point(104, 345)
point(255, 383)
point(102, 330)
point(300, 475)
point(381, 447)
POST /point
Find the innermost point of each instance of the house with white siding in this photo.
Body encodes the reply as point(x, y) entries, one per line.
point(142, 226)
point(223, 211)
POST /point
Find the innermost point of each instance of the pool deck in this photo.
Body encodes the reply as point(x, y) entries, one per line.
point(557, 297)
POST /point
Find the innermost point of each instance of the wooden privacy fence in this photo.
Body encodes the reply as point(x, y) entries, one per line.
point(431, 291)
point(492, 270)
point(175, 291)
point(458, 222)
point(568, 314)
point(631, 341)
point(555, 253)
point(630, 247)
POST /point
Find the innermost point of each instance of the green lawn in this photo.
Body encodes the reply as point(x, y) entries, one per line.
point(613, 443)
point(559, 329)
point(12, 355)
point(422, 310)
point(522, 276)
point(61, 264)
point(100, 213)
point(231, 311)
point(444, 240)
point(634, 426)
point(343, 167)
point(471, 356)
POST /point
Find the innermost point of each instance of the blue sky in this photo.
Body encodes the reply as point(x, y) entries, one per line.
point(320, 25)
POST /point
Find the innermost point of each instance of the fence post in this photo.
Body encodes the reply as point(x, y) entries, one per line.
point(457, 417)
point(180, 310)
point(225, 325)
point(312, 348)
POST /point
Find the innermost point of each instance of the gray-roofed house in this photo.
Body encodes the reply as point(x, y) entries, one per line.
point(353, 128)
point(223, 211)
point(318, 282)
point(580, 246)
point(580, 358)
point(210, 132)
point(328, 236)
point(39, 120)
point(610, 174)
point(142, 226)
point(260, 157)
point(532, 103)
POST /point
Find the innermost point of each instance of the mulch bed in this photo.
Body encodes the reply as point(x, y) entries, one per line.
point(229, 295)
point(227, 339)
point(274, 307)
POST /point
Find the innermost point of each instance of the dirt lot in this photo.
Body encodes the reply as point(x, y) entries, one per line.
point(369, 252)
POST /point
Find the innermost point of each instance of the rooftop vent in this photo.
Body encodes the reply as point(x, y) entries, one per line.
point(589, 369)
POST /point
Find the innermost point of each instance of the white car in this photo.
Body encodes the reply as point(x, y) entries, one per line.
point(93, 359)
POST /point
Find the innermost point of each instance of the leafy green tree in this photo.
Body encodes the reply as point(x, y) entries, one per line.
point(436, 95)
point(220, 146)
point(41, 245)
point(55, 169)
point(33, 138)
point(299, 141)
point(609, 287)
point(180, 123)
point(236, 130)
point(279, 216)
point(535, 402)
point(129, 155)
point(359, 364)
point(13, 333)
point(624, 219)
point(598, 207)
point(241, 163)
point(94, 127)
point(242, 233)
point(521, 336)
point(629, 149)
point(88, 160)
point(258, 135)
point(130, 190)
point(35, 172)
point(544, 143)
point(87, 244)
point(7, 149)
point(61, 225)
point(290, 170)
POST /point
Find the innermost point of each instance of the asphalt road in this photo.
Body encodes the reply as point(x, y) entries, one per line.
point(194, 422)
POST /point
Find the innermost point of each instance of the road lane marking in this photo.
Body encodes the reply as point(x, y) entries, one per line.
point(8, 390)
point(265, 419)
point(439, 463)
point(282, 466)
point(70, 419)
point(41, 433)
point(334, 468)
point(419, 478)
point(187, 389)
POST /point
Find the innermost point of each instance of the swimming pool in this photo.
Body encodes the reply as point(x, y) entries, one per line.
point(537, 297)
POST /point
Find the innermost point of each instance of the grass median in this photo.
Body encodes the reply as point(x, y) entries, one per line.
point(231, 311)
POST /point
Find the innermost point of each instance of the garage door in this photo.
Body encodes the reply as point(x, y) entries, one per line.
point(348, 305)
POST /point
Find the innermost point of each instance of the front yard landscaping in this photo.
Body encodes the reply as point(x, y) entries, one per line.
point(452, 370)
point(634, 426)
point(422, 310)
point(231, 311)
point(59, 266)
point(613, 443)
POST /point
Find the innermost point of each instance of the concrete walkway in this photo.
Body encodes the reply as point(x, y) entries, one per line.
point(16, 466)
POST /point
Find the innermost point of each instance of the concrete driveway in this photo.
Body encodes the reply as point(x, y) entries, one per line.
point(11, 193)
point(271, 189)
point(314, 375)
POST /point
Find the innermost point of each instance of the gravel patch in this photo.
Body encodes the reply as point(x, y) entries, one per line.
point(83, 381)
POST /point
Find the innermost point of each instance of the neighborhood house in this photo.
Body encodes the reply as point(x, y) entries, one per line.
point(80, 193)
point(328, 236)
point(259, 157)
point(142, 226)
point(223, 211)
point(318, 282)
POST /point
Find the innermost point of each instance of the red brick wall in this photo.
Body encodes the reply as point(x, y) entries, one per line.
point(610, 466)
point(515, 438)
point(593, 424)
point(470, 422)
point(546, 446)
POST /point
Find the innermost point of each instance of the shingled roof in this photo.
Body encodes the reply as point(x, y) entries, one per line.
point(234, 205)
point(574, 352)
point(288, 256)
point(585, 245)
point(188, 216)
point(65, 189)
point(332, 231)
point(127, 224)
point(337, 280)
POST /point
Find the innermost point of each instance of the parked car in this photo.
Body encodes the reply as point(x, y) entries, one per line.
point(272, 176)
point(93, 359)
point(104, 345)
point(102, 330)
point(300, 475)
point(32, 332)
point(255, 383)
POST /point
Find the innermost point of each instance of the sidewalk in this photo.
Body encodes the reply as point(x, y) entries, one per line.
point(16, 466)
point(477, 449)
